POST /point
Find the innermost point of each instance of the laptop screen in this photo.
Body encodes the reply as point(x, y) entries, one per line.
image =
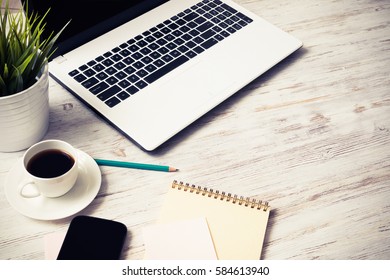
point(88, 18)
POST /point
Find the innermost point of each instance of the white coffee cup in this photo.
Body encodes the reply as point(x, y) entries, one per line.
point(51, 167)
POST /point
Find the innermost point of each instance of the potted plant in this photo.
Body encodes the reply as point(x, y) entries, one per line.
point(24, 81)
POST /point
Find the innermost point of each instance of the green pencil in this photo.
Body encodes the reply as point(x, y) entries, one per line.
point(135, 165)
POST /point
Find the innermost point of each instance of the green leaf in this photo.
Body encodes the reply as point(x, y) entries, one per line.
point(23, 51)
point(3, 88)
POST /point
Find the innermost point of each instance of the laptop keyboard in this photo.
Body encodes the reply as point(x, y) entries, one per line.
point(120, 73)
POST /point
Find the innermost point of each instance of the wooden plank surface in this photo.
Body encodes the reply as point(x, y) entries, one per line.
point(311, 136)
point(13, 4)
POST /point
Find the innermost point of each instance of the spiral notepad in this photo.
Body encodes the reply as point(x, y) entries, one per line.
point(237, 225)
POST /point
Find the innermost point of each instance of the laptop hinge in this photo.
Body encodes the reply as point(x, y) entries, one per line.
point(59, 59)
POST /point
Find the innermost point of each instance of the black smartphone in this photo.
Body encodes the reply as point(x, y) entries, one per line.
point(91, 238)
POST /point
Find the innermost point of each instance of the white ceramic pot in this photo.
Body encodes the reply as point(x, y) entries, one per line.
point(24, 116)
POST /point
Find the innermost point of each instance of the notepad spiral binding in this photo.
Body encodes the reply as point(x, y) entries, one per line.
point(247, 202)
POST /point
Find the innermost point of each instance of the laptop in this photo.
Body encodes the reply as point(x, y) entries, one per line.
point(152, 67)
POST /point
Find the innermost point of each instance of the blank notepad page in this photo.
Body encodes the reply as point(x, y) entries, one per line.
point(237, 225)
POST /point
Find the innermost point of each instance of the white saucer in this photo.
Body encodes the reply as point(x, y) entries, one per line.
point(42, 208)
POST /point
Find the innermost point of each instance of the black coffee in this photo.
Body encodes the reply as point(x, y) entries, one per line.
point(50, 164)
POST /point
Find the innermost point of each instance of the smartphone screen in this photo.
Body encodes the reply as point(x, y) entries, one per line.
point(91, 238)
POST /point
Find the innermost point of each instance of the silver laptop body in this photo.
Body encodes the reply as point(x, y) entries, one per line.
point(164, 107)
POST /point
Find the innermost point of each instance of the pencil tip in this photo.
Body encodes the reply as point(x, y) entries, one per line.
point(173, 169)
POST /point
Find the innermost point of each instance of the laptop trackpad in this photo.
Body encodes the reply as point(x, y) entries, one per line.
point(196, 84)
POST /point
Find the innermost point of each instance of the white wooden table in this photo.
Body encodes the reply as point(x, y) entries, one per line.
point(311, 136)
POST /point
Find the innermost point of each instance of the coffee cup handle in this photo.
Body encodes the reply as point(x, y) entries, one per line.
point(29, 190)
